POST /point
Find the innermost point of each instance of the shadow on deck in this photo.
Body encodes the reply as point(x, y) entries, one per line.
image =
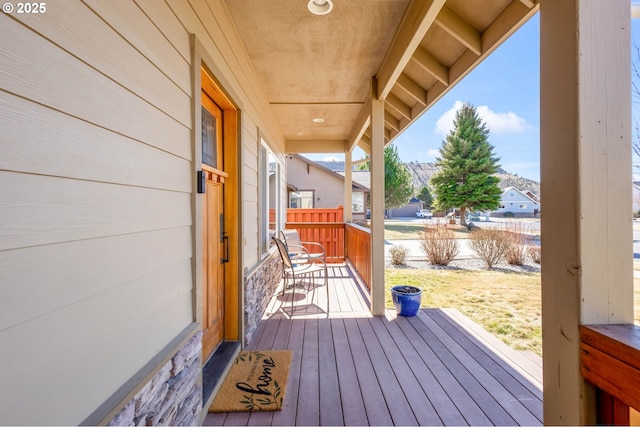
point(351, 368)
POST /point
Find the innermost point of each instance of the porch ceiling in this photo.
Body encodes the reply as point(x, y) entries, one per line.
point(322, 66)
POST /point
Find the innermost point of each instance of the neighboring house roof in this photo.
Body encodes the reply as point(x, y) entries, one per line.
point(527, 194)
point(363, 178)
point(356, 184)
point(532, 196)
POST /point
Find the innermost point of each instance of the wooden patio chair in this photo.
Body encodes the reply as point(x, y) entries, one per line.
point(295, 270)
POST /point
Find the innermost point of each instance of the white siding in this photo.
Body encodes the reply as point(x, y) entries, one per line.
point(95, 180)
point(513, 203)
point(250, 186)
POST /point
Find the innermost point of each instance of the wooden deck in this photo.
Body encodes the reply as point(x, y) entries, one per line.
point(351, 368)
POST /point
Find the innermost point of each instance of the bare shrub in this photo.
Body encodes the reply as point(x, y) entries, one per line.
point(398, 254)
point(535, 252)
point(439, 244)
point(490, 244)
point(516, 252)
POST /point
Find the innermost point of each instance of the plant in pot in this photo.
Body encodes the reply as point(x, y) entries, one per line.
point(406, 299)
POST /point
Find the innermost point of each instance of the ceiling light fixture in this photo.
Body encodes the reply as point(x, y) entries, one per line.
point(318, 120)
point(320, 7)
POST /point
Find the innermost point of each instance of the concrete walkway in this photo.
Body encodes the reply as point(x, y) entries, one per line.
point(415, 252)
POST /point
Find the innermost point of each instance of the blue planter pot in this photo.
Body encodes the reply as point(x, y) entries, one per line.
point(406, 299)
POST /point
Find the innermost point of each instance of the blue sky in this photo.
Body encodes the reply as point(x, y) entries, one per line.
point(505, 88)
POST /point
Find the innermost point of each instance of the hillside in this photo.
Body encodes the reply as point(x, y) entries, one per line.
point(421, 174)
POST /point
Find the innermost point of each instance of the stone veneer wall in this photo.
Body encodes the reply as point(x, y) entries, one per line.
point(259, 288)
point(173, 396)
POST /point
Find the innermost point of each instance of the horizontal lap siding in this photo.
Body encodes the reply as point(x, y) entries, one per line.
point(96, 216)
point(95, 180)
point(250, 185)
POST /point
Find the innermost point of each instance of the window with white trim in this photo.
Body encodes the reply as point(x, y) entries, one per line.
point(357, 202)
point(270, 216)
point(301, 199)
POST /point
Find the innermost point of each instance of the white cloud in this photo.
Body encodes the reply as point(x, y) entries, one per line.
point(445, 122)
point(433, 153)
point(497, 122)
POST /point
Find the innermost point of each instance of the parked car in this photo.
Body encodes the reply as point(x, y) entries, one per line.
point(424, 213)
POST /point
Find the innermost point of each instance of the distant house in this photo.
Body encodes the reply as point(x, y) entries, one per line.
point(311, 185)
point(408, 210)
point(520, 203)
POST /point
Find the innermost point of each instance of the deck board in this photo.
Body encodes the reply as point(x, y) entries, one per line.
point(351, 368)
point(453, 389)
point(510, 379)
point(374, 402)
point(528, 364)
point(329, 384)
point(485, 400)
point(353, 408)
point(287, 416)
point(409, 387)
point(394, 395)
point(511, 410)
point(308, 413)
point(446, 410)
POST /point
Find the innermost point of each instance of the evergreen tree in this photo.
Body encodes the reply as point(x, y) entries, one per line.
point(467, 166)
point(398, 187)
point(426, 196)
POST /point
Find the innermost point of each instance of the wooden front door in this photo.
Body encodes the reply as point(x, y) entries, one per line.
point(213, 237)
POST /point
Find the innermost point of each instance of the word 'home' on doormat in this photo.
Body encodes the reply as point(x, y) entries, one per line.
point(256, 382)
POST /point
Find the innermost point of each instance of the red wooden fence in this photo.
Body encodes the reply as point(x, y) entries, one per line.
point(340, 240)
point(316, 215)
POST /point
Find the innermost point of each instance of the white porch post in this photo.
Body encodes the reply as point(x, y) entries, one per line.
point(585, 137)
point(348, 185)
point(377, 202)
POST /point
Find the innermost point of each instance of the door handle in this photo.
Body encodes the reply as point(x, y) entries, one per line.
point(224, 239)
point(226, 250)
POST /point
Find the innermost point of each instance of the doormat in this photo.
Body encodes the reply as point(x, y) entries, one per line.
point(256, 382)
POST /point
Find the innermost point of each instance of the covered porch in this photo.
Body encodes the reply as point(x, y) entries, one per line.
point(353, 368)
point(584, 139)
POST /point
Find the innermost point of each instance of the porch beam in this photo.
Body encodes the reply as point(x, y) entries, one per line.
point(316, 146)
point(348, 188)
point(391, 121)
point(365, 144)
point(376, 167)
point(505, 25)
point(585, 139)
point(460, 30)
point(398, 105)
point(431, 65)
point(362, 123)
point(412, 89)
point(529, 3)
point(417, 20)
